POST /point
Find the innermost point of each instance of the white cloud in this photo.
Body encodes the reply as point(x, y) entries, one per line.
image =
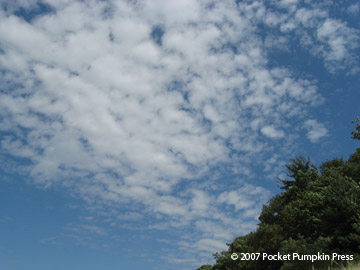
point(340, 40)
point(329, 39)
point(244, 198)
point(97, 106)
point(354, 9)
point(316, 130)
point(272, 132)
point(210, 245)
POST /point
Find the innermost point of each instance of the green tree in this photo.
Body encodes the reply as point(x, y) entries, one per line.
point(296, 168)
point(205, 267)
point(304, 246)
point(356, 134)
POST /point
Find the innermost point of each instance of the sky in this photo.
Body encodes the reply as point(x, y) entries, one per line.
point(148, 134)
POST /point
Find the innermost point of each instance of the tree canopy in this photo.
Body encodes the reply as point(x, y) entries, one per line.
point(356, 134)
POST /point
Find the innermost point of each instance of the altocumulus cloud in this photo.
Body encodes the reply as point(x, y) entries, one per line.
point(138, 102)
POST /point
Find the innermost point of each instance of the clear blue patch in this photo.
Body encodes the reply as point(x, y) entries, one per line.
point(40, 9)
point(227, 47)
point(108, 12)
point(180, 87)
point(111, 37)
point(157, 34)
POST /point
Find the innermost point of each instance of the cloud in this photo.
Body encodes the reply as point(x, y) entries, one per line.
point(272, 132)
point(340, 41)
point(332, 40)
point(209, 245)
point(99, 104)
point(354, 9)
point(244, 198)
point(316, 130)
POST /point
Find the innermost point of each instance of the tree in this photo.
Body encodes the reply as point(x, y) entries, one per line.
point(296, 170)
point(205, 267)
point(356, 134)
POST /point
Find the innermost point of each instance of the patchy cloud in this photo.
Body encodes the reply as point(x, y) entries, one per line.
point(340, 41)
point(354, 9)
point(316, 130)
point(272, 132)
point(139, 102)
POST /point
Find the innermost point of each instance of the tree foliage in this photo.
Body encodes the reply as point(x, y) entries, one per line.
point(317, 212)
point(356, 134)
point(205, 267)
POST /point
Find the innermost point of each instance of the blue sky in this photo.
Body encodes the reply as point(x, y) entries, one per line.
point(147, 134)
